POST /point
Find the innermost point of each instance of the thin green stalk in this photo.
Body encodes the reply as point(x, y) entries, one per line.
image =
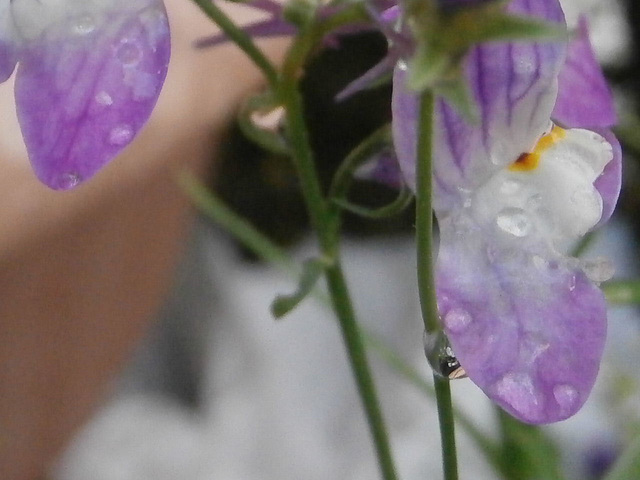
point(488, 447)
point(373, 144)
point(426, 282)
point(258, 243)
point(325, 226)
point(240, 228)
point(240, 38)
point(622, 292)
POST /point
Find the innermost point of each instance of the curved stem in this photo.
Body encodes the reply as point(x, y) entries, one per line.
point(426, 281)
point(240, 38)
point(326, 228)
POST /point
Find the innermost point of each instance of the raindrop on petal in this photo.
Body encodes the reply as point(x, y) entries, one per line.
point(120, 135)
point(441, 357)
point(517, 390)
point(566, 396)
point(67, 180)
point(84, 25)
point(103, 98)
point(457, 320)
point(598, 270)
point(514, 221)
point(587, 199)
point(510, 187)
point(540, 263)
point(534, 202)
point(129, 54)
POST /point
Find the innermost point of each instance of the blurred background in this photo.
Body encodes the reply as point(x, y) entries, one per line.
point(136, 341)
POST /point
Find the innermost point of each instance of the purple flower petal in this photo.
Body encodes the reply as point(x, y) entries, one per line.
point(528, 329)
point(584, 99)
point(82, 94)
point(8, 59)
point(610, 182)
point(382, 168)
point(375, 73)
point(514, 85)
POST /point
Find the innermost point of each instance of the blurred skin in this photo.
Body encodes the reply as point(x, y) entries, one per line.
point(83, 273)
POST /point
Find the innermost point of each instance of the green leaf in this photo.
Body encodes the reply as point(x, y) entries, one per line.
point(505, 27)
point(300, 13)
point(311, 272)
point(622, 292)
point(627, 467)
point(528, 453)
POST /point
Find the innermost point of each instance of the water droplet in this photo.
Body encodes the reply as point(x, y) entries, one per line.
point(572, 283)
point(514, 221)
point(540, 263)
point(534, 202)
point(598, 270)
point(120, 135)
point(68, 180)
point(84, 25)
point(103, 98)
point(129, 54)
point(402, 65)
point(587, 199)
point(566, 396)
point(441, 357)
point(517, 390)
point(457, 319)
point(510, 187)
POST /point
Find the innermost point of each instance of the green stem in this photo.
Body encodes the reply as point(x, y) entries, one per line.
point(373, 144)
point(359, 364)
point(240, 38)
point(622, 292)
point(216, 209)
point(326, 228)
point(263, 247)
point(426, 281)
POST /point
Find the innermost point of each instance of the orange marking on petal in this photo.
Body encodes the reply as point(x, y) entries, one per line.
point(530, 161)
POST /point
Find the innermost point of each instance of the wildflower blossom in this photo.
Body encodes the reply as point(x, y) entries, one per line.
point(512, 195)
point(89, 74)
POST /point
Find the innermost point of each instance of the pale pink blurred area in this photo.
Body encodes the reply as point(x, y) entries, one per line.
point(83, 273)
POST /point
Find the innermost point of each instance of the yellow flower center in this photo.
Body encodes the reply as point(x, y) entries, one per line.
point(530, 161)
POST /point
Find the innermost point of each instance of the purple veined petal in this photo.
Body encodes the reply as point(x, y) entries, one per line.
point(528, 329)
point(382, 168)
point(82, 94)
point(273, 27)
point(584, 98)
point(514, 85)
point(609, 183)
point(8, 59)
point(378, 71)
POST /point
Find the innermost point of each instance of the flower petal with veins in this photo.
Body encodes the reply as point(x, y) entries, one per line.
point(514, 84)
point(536, 327)
point(584, 99)
point(89, 75)
point(526, 322)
